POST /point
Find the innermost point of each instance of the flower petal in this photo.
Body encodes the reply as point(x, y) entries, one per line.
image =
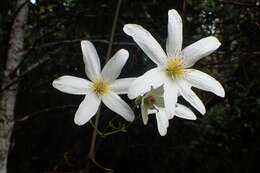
point(152, 78)
point(200, 49)
point(119, 106)
point(152, 111)
point(91, 60)
point(146, 42)
point(174, 40)
point(87, 109)
point(121, 86)
point(190, 96)
point(113, 67)
point(184, 112)
point(162, 121)
point(72, 85)
point(204, 81)
point(170, 97)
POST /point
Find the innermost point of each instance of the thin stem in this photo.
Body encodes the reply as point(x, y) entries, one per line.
point(112, 35)
point(100, 166)
point(114, 132)
point(98, 132)
point(92, 152)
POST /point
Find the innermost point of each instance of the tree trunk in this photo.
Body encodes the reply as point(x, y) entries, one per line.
point(8, 97)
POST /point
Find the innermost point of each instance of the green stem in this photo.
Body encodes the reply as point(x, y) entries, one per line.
point(94, 127)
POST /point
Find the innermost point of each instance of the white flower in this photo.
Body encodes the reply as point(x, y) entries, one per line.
point(33, 1)
point(152, 103)
point(173, 69)
point(102, 87)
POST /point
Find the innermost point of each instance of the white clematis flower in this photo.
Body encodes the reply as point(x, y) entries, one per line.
point(153, 103)
point(173, 68)
point(102, 87)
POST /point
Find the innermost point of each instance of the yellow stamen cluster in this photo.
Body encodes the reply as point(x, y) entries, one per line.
point(100, 87)
point(175, 67)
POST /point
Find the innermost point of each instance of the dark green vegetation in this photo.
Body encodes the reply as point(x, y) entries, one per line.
point(226, 139)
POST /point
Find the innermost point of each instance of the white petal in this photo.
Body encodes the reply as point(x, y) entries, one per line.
point(146, 42)
point(144, 112)
point(91, 60)
point(119, 106)
point(162, 122)
point(200, 49)
point(184, 112)
point(170, 97)
point(152, 111)
point(174, 40)
point(152, 78)
point(190, 96)
point(113, 67)
point(72, 85)
point(87, 109)
point(204, 81)
point(120, 86)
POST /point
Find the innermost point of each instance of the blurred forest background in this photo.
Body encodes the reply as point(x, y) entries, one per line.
point(45, 138)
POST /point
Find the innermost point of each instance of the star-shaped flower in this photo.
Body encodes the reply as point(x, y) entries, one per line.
point(173, 68)
point(153, 103)
point(102, 87)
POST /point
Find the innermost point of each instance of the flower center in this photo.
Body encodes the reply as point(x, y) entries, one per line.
point(100, 87)
point(150, 101)
point(175, 67)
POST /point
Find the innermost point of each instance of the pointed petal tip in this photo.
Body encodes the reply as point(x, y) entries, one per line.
point(215, 39)
point(85, 42)
point(78, 122)
point(54, 82)
point(172, 12)
point(126, 28)
point(130, 28)
point(193, 118)
point(219, 90)
point(130, 95)
point(203, 111)
point(163, 133)
point(131, 118)
point(125, 53)
point(221, 93)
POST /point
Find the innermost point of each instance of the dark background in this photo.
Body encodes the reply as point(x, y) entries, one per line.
point(226, 139)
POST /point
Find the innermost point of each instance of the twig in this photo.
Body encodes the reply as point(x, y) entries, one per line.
point(29, 69)
point(100, 166)
point(183, 7)
point(113, 30)
point(91, 154)
point(238, 3)
point(56, 43)
point(26, 117)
